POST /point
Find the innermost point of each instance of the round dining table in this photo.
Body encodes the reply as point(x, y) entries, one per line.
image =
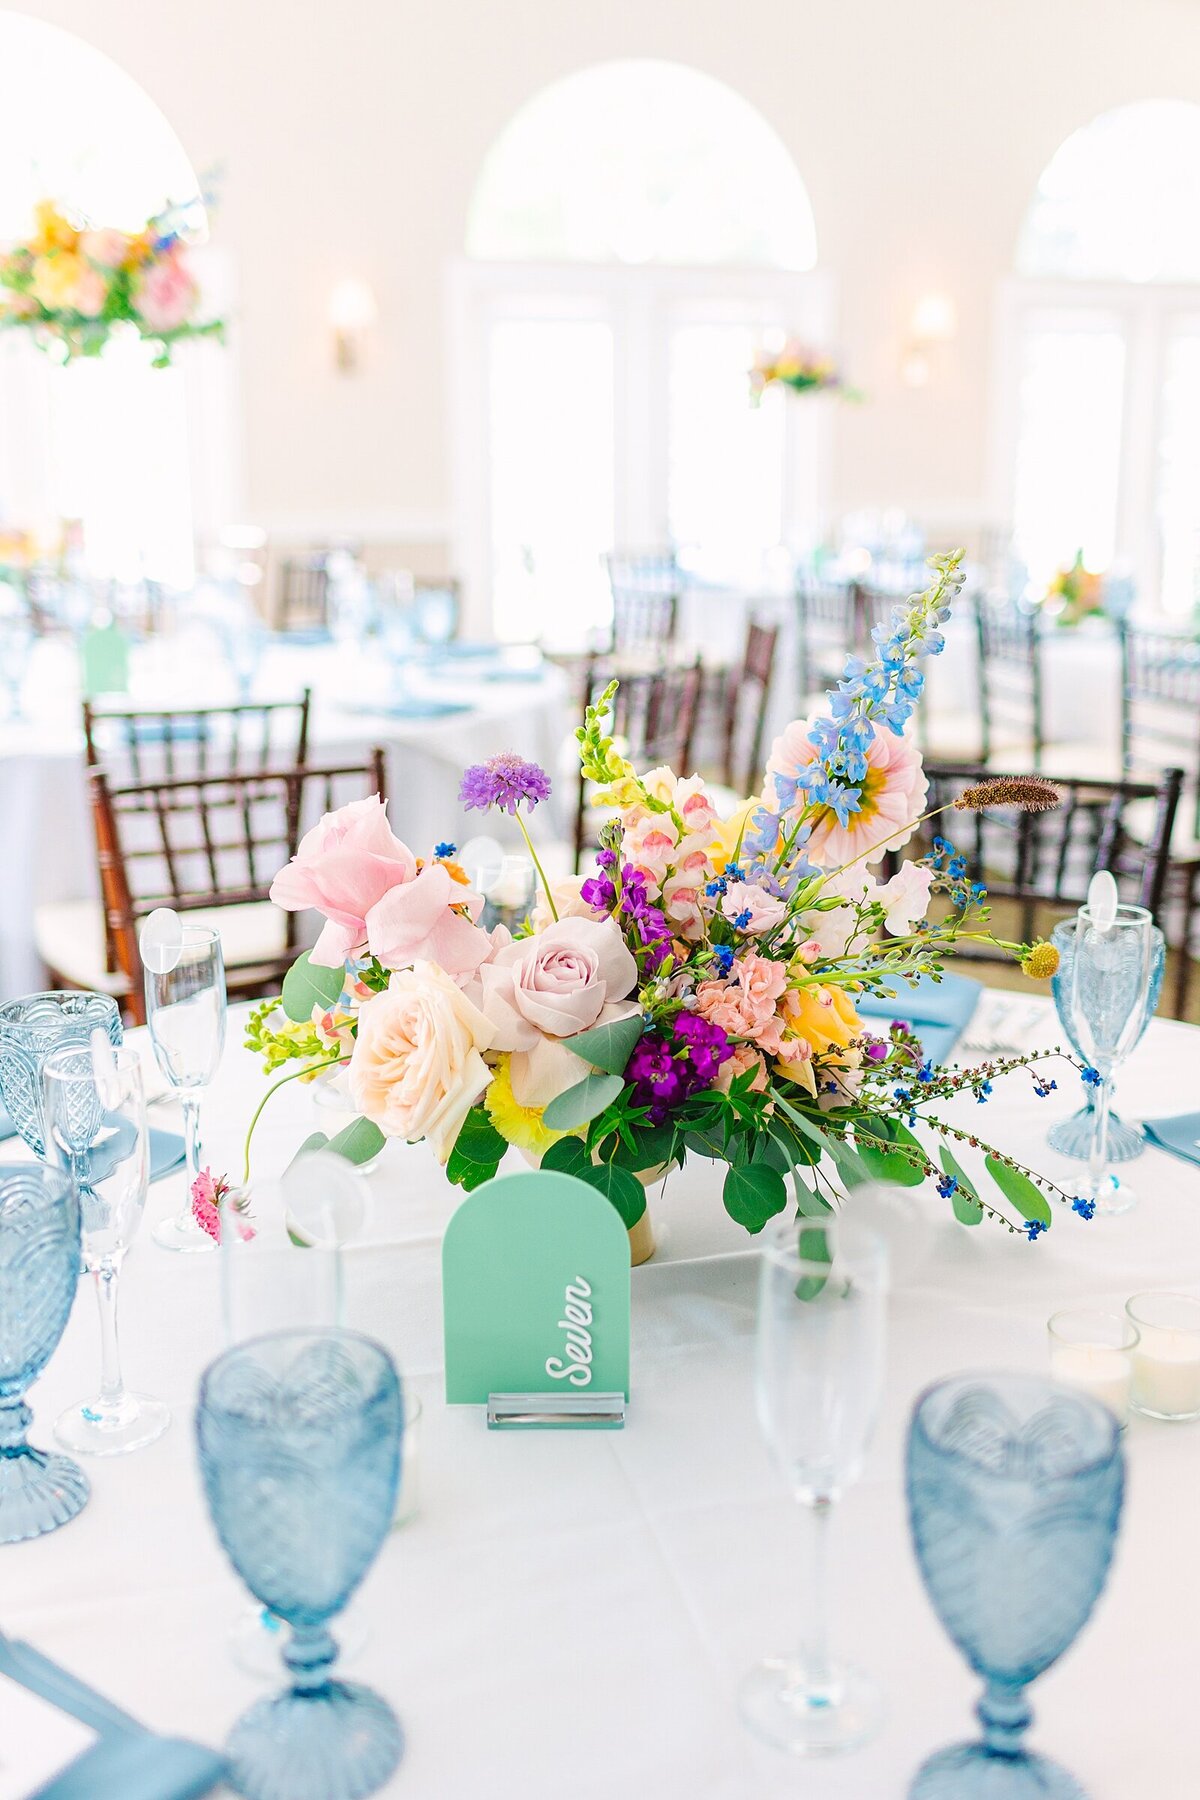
point(571, 1612)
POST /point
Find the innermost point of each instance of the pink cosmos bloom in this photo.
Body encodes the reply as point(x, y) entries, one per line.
point(893, 796)
point(343, 867)
point(167, 294)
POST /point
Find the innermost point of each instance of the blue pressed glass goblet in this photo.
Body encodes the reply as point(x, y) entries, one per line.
point(299, 1436)
point(1014, 1496)
point(1073, 1137)
point(30, 1029)
point(39, 1273)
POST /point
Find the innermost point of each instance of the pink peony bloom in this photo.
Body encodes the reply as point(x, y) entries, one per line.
point(906, 898)
point(167, 294)
point(417, 1070)
point(343, 867)
point(893, 796)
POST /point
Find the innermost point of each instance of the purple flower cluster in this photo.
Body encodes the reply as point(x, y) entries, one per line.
point(667, 1066)
point(599, 891)
point(648, 921)
point(503, 781)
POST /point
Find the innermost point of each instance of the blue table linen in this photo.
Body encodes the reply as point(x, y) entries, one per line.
point(937, 1011)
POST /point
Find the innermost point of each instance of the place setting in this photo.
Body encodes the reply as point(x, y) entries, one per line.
point(599, 1142)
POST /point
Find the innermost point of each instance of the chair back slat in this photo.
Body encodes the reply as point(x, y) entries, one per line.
point(209, 841)
point(1010, 678)
point(747, 694)
point(1160, 707)
point(645, 588)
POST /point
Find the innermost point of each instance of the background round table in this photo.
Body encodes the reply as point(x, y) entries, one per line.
point(571, 1613)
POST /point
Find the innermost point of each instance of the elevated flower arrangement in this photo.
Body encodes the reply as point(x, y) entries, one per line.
point(797, 367)
point(1076, 593)
point(72, 285)
point(695, 995)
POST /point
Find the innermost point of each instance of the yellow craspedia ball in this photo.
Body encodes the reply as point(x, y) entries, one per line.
point(1040, 961)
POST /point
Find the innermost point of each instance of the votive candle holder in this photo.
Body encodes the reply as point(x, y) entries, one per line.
point(1093, 1351)
point(1166, 1362)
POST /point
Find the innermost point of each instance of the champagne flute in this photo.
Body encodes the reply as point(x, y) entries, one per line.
point(818, 1379)
point(185, 1011)
point(1110, 998)
point(95, 1112)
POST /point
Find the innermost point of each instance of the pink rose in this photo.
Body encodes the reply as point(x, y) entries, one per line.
point(555, 983)
point(107, 249)
point(745, 897)
point(167, 294)
point(416, 1070)
point(91, 291)
point(343, 868)
point(414, 920)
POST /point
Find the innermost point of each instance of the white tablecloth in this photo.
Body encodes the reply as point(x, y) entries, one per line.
point(45, 819)
point(1081, 683)
point(571, 1613)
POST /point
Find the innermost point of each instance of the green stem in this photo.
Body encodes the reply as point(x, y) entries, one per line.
point(537, 865)
point(309, 1069)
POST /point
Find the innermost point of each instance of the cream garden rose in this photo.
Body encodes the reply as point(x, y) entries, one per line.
point(417, 1070)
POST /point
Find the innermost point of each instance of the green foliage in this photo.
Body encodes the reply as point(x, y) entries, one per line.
point(964, 1199)
point(609, 1046)
point(582, 1103)
point(307, 985)
point(477, 1151)
point(1029, 1200)
point(753, 1194)
point(624, 1190)
point(890, 1152)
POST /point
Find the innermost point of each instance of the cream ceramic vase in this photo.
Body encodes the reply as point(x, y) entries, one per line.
point(641, 1235)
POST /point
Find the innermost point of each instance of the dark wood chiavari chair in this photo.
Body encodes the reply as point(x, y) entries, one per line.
point(747, 691)
point(646, 588)
point(218, 840)
point(1010, 684)
point(1160, 723)
point(828, 629)
point(654, 718)
point(302, 594)
point(1037, 866)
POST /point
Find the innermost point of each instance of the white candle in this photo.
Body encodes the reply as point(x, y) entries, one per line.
point(1166, 1373)
point(1095, 1369)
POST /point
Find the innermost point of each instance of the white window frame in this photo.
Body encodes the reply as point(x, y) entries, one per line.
point(641, 304)
point(1148, 315)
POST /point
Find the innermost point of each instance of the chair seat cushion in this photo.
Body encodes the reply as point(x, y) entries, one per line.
point(70, 939)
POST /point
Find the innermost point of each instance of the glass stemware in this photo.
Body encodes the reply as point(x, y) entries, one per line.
point(30, 1029)
point(822, 1324)
point(185, 1011)
point(39, 1273)
point(96, 1131)
point(299, 1439)
point(1108, 1007)
point(1073, 1137)
point(1014, 1496)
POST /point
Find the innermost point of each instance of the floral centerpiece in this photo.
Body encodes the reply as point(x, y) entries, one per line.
point(695, 995)
point(1076, 593)
point(72, 285)
point(803, 370)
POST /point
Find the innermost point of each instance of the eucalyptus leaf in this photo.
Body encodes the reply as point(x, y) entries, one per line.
point(1029, 1200)
point(964, 1199)
point(581, 1103)
point(617, 1185)
point(608, 1046)
point(891, 1164)
point(358, 1142)
point(307, 985)
point(753, 1194)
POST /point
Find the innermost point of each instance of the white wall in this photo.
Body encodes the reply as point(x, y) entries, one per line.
point(350, 135)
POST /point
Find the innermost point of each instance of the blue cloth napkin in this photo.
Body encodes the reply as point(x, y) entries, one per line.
point(1177, 1135)
point(7, 1128)
point(127, 1763)
point(937, 1011)
point(166, 1153)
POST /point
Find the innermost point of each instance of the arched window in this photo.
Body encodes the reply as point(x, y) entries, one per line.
point(1100, 400)
point(104, 442)
point(636, 233)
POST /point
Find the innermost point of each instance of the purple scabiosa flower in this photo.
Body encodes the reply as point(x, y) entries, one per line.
point(503, 781)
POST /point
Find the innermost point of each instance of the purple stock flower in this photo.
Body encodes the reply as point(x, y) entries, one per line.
point(667, 1066)
point(599, 893)
point(648, 920)
point(504, 781)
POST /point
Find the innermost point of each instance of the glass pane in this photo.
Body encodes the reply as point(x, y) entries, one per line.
point(1069, 447)
point(119, 459)
point(551, 470)
point(726, 458)
point(1178, 496)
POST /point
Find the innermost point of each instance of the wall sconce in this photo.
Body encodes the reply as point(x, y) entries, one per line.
point(352, 312)
point(934, 322)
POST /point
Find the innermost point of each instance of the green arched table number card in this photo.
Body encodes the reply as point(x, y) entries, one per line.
point(535, 1294)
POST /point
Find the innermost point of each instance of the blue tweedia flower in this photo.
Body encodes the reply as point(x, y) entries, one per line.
point(947, 1186)
point(716, 887)
point(440, 850)
point(723, 957)
point(983, 1092)
point(734, 872)
point(1092, 1077)
point(956, 868)
point(925, 1072)
point(978, 891)
point(1042, 1087)
point(742, 919)
point(1083, 1206)
point(902, 1095)
point(1034, 1229)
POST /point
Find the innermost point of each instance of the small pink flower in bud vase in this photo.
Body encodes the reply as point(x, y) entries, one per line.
point(209, 1194)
